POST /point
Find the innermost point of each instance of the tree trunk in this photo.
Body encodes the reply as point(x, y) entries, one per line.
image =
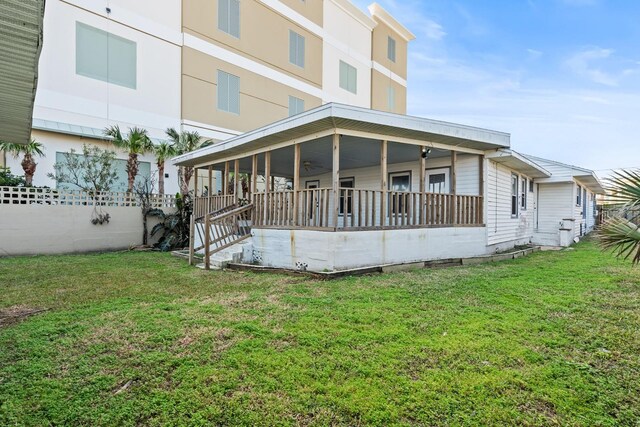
point(144, 229)
point(132, 170)
point(187, 173)
point(29, 168)
point(161, 178)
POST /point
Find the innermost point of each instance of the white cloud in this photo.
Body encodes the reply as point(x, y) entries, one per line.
point(581, 63)
point(534, 54)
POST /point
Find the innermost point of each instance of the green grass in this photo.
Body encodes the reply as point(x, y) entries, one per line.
point(553, 338)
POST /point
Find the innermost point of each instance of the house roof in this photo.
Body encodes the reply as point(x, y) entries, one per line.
point(356, 120)
point(378, 12)
point(20, 45)
point(519, 162)
point(562, 172)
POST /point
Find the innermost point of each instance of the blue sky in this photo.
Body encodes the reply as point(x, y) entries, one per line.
point(562, 76)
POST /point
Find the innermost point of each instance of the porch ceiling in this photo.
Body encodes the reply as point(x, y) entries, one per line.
point(20, 44)
point(319, 122)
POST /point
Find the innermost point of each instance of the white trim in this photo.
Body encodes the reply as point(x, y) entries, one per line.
point(387, 72)
point(250, 65)
point(216, 132)
point(357, 14)
point(378, 12)
point(294, 16)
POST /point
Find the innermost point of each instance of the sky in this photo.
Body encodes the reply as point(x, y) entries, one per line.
point(561, 76)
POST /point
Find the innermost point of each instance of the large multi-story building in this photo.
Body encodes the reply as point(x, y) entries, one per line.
point(221, 67)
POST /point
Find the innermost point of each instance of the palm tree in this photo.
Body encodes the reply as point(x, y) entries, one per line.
point(163, 151)
point(136, 142)
point(621, 233)
point(28, 151)
point(184, 142)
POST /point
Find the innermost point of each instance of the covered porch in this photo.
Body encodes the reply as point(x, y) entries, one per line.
point(345, 169)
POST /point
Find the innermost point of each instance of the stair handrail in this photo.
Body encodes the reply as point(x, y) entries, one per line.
point(225, 237)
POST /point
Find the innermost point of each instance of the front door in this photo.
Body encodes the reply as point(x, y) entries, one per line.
point(437, 181)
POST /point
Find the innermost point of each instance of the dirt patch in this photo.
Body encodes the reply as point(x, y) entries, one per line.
point(15, 314)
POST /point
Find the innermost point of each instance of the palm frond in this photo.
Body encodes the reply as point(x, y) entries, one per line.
point(115, 134)
point(623, 187)
point(33, 148)
point(163, 151)
point(622, 237)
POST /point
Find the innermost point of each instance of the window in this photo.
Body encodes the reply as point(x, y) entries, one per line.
point(531, 186)
point(399, 182)
point(296, 105)
point(346, 196)
point(104, 56)
point(437, 180)
point(348, 77)
point(391, 49)
point(119, 167)
point(514, 195)
point(579, 196)
point(229, 17)
point(391, 98)
point(296, 49)
point(228, 92)
point(523, 194)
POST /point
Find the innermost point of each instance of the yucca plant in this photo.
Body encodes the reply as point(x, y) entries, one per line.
point(621, 233)
point(135, 142)
point(28, 152)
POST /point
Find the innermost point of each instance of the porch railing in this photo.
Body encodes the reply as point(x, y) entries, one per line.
point(364, 209)
point(208, 204)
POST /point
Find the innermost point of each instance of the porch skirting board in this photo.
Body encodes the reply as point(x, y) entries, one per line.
point(316, 251)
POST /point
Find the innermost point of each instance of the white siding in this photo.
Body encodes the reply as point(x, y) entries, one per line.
point(555, 203)
point(501, 226)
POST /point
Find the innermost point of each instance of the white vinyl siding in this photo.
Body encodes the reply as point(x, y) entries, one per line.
point(391, 98)
point(296, 105)
point(228, 92)
point(391, 49)
point(553, 206)
point(104, 56)
point(502, 227)
point(296, 49)
point(229, 17)
point(348, 77)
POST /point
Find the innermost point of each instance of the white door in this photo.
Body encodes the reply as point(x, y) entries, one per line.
point(437, 181)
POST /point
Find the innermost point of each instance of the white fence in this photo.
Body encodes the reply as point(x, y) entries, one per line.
point(49, 196)
point(45, 221)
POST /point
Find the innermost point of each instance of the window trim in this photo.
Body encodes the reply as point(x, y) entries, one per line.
point(341, 197)
point(515, 205)
point(579, 196)
point(391, 175)
point(524, 181)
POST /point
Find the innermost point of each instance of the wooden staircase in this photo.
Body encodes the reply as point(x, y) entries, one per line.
point(219, 230)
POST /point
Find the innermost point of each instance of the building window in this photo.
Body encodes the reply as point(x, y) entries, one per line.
point(228, 92)
point(104, 56)
point(346, 196)
point(391, 49)
point(348, 77)
point(119, 166)
point(531, 186)
point(229, 17)
point(579, 197)
point(399, 182)
point(296, 105)
point(296, 49)
point(523, 194)
point(391, 98)
point(514, 195)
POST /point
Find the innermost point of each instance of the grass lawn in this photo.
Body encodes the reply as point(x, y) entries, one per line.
point(141, 338)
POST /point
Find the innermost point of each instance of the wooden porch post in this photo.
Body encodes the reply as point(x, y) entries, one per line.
point(336, 179)
point(296, 183)
point(254, 176)
point(423, 167)
point(236, 180)
point(383, 183)
point(209, 194)
point(481, 192)
point(454, 201)
point(195, 183)
point(225, 179)
point(267, 178)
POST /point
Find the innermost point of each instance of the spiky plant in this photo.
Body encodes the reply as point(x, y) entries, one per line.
point(28, 152)
point(621, 233)
point(184, 142)
point(163, 152)
point(135, 142)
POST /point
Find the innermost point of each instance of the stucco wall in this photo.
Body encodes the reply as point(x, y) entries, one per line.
point(42, 229)
point(328, 251)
